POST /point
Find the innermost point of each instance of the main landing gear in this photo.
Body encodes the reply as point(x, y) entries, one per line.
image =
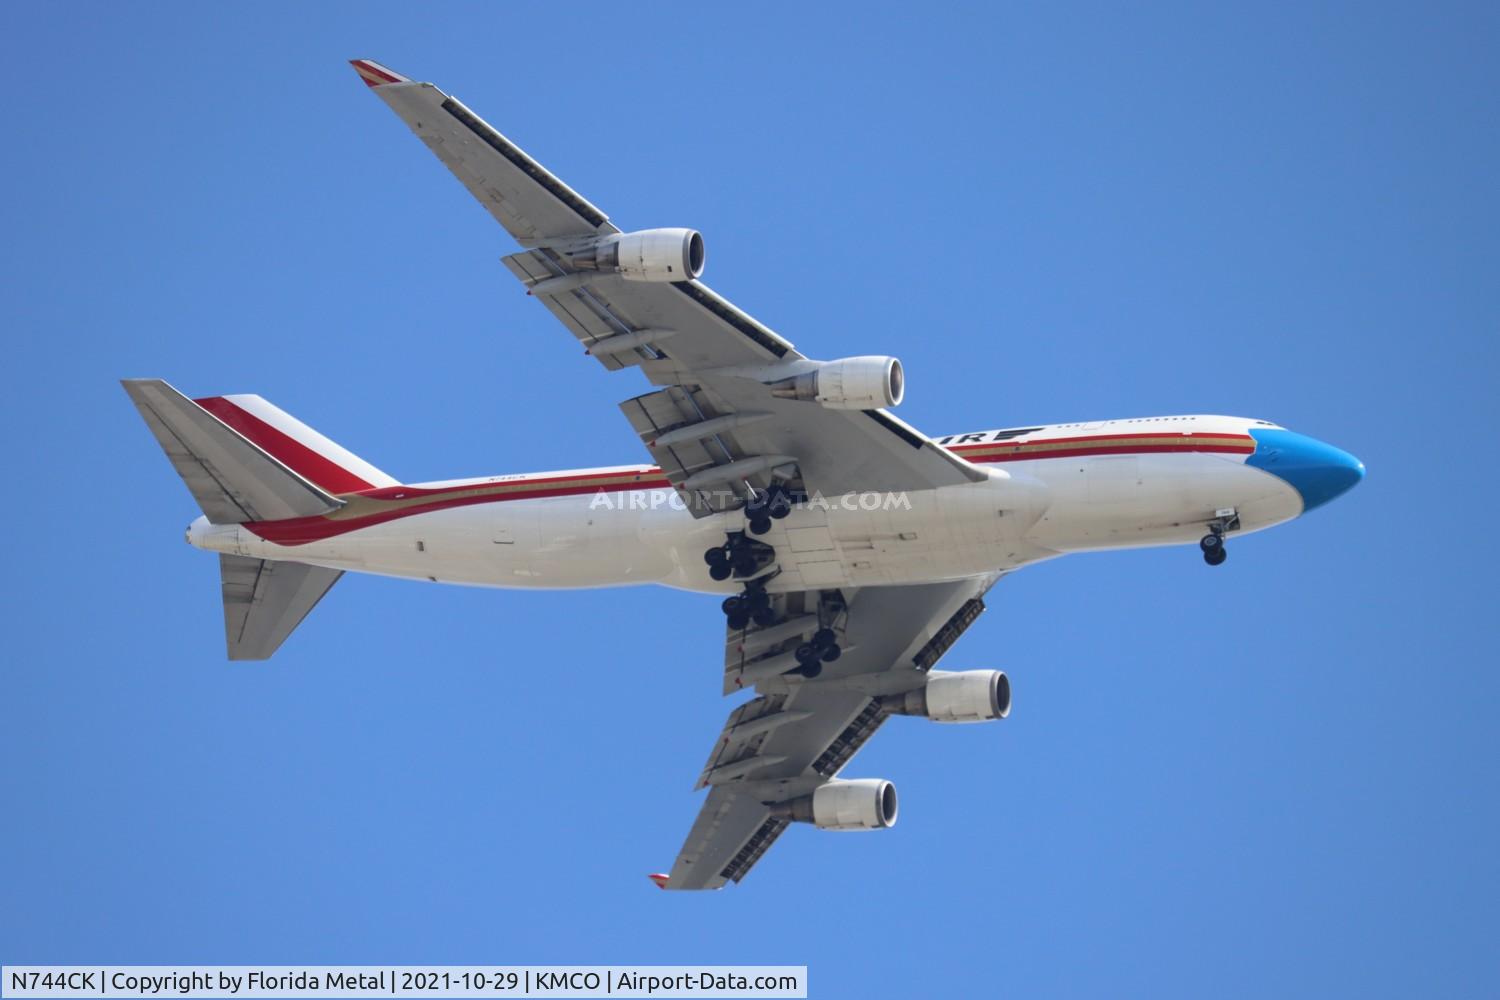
point(823, 645)
point(739, 556)
point(822, 648)
point(743, 557)
point(754, 605)
point(766, 506)
point(1212, 544)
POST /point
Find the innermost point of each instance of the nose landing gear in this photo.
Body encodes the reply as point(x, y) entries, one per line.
point(1224, 520)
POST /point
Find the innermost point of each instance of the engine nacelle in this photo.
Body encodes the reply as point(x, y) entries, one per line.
point(866, 383)
point(966, 696)
point(864, 804)
point(649, 255)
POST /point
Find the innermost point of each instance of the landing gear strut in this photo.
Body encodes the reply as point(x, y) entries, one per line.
point(1212, 544)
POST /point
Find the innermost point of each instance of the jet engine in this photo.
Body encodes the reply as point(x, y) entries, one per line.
point(863, 804)
point(966, 696)
point(649, 255)
point(865, 383)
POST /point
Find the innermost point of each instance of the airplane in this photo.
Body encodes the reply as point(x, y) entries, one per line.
point(850, 550)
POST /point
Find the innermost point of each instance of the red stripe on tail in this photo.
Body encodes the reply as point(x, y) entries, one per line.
point(285, 449)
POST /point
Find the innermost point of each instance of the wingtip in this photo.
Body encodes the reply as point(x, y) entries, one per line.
point(659, 879)
point(374, 74)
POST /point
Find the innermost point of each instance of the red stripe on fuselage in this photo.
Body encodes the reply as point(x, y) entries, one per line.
point(302, 530)
point(285, 449)
point(989, 454)
point(1186, 436)
point(408, 492)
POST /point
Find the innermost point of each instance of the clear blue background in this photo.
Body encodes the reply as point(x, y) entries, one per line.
point(1273, 778)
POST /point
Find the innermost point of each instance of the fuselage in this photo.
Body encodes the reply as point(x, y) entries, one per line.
point(1051, 490)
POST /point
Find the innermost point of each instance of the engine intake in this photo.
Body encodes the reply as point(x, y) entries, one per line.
point(865, 383)
point(649, 255)
point(863, 804)
point(966, 696)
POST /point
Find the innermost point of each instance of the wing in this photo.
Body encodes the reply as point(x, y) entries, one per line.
point(797, 734)
point(708, 429)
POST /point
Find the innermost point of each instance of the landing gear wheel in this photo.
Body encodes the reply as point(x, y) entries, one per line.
point(1211, 542)
point(760, 525)
point(720, 571)
point(779, 505)
point(739, 621)
point(810, 660)
point(1215, 556)
point(758, 600)
point(823, 638)
point(831, 653)
point(716, 556)
point(763, 617)
point(744, 563)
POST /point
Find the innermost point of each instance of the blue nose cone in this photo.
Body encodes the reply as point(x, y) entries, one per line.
point(1316, 470)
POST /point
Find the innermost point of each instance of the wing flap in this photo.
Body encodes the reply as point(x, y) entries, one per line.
point(731, 833)
point(658, 414)
point(580, 312)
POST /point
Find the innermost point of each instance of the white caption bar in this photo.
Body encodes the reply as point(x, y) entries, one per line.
point(155, 981)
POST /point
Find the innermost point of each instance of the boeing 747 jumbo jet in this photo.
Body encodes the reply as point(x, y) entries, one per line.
point(851, 551)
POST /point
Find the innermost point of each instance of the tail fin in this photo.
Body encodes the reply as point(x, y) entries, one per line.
point(245, 460)
point(296, 445)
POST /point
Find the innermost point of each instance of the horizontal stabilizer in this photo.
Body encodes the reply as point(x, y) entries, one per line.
point(265, 600)
point(233, 480)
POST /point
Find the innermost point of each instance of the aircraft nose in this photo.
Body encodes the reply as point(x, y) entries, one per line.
point(1316, 470)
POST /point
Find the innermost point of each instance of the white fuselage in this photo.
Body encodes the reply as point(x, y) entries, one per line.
point(1053, 490)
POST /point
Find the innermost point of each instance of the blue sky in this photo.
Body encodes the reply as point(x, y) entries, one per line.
point(1277, 777)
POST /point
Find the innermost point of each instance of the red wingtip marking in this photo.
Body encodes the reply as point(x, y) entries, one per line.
point(374, 74)
point(659, 879)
